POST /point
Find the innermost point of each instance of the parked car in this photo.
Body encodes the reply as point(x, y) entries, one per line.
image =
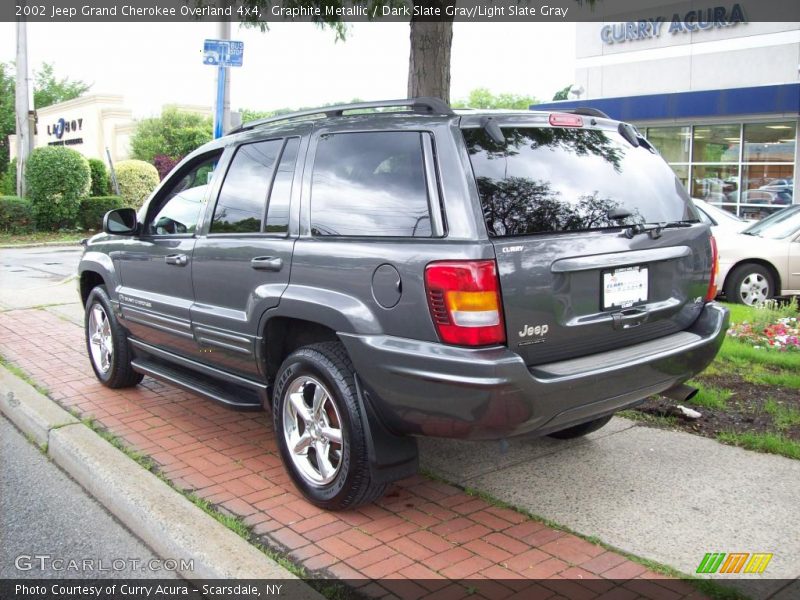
point(720, 220)
point(375, 276)
point(763, 261)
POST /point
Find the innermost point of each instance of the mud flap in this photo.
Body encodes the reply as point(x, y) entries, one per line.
point(391, 457)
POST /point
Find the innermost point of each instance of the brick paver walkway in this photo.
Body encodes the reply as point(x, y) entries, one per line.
point(422, 530)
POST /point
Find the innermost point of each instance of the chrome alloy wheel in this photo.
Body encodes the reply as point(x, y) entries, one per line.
point(312, 430)
point(754, 289)
point(100, 341)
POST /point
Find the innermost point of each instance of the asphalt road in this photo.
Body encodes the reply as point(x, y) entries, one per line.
point(36, 276)
point(44, 512)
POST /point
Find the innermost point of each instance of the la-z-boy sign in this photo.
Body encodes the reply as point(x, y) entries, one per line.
point(694, 20)
point(62, 126)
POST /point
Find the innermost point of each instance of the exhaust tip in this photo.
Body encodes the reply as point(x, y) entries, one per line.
point(681, 392)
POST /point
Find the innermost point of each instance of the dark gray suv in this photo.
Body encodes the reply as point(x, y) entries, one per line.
point(374, 272)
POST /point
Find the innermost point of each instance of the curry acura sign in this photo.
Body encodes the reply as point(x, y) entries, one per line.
point(693, 20)
point(62, 126)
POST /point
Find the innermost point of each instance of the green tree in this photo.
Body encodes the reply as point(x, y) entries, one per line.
point(562, 94)
point(174, 134)
point(47, 90)
point(483, 98)
point(7, 124)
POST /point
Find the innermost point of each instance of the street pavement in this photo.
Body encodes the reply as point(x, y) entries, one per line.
point(45, 514)
point(663, 495)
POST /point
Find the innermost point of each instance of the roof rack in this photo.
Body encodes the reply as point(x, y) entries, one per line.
point(420, 105)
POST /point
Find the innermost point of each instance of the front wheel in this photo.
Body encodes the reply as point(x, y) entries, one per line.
point(321, 428)
point(107, 343)
point(749, 284)
point(582, 429)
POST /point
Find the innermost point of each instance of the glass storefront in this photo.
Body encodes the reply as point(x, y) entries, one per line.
point(747, 168)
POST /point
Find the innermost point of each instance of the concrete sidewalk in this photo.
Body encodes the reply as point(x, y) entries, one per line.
point(669, 496)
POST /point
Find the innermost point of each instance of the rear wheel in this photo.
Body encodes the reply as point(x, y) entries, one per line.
point(749, 284)
point(582, 429)
point(107, 343)
point(321, 429)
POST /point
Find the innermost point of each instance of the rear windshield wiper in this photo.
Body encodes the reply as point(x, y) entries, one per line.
point(654, 229)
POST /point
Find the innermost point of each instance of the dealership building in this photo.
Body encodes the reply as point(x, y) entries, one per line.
point(720, 99)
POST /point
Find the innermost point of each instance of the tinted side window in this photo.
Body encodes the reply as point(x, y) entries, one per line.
point(241, 202)
point(370, 184)
point(180, 210)
point(280, 196)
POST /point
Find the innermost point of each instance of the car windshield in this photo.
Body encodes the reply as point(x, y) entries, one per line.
point(779, 225)
point(718, 213)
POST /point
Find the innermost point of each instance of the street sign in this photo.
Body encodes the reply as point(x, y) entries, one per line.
point(223, 53)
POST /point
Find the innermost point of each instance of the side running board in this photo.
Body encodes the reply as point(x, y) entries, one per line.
point(231, 395)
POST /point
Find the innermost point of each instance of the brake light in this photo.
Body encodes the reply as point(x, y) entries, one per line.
point(712, 284)
point(464, 300)
point(565, 120)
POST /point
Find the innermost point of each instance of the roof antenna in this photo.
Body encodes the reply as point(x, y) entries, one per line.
point(493, 130)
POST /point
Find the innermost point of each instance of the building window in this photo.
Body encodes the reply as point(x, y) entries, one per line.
point(747, 169)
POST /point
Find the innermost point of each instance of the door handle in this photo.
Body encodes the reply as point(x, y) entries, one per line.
point(180, 260)
point(267, 263)
point(630, 318)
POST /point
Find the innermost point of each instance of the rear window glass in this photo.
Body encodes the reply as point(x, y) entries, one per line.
point(545, 180)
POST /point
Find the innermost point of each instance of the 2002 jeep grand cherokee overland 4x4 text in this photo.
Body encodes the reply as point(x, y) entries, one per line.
point(375, 276)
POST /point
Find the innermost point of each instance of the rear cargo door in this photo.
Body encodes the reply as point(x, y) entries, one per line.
point(597, 243)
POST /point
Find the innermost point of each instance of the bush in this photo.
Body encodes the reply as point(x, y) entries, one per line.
point(8, 180)
point(16, 215)
point(136, 179)
point(101, 184)
point(94, 208)
point(164, 164)
point(57, 178)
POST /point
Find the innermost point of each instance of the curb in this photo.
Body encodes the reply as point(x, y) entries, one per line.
point(39, 244)
point(161, 517)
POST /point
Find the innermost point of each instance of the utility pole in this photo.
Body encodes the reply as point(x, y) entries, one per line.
point(224, 33)
point(22, 106)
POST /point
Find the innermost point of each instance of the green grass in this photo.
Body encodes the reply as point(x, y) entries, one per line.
point(14, 369)
point(635, 415)
point(772, 443)
point(783, 416)
point(41, 237)
point(709, 397)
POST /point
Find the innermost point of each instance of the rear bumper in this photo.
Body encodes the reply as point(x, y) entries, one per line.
point(431, 389)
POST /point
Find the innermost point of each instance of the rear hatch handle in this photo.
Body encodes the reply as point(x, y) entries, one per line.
point(630, 317)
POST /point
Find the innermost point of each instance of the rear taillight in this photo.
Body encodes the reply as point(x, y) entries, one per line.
point(712, 284)
point(565, 120)
point(464, 299)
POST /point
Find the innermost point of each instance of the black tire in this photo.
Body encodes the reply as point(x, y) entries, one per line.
point(119, 372)
point(760, 279)
point(301, 373)
point(582, 429)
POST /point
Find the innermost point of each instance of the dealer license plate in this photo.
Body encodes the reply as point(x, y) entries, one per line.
point(624, 287)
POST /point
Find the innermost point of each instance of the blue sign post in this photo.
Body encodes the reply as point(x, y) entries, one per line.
point(222, 54)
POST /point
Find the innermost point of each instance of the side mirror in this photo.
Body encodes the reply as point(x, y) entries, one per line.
point(121, 221)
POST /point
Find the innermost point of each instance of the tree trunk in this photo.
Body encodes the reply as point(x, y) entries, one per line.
point(429, 61)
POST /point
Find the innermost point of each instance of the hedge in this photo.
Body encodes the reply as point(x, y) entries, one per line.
point(8, 180)
point(136, 180)
point(16, 215)
point(101, 185)
point(56, 178)
point(94, 208)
